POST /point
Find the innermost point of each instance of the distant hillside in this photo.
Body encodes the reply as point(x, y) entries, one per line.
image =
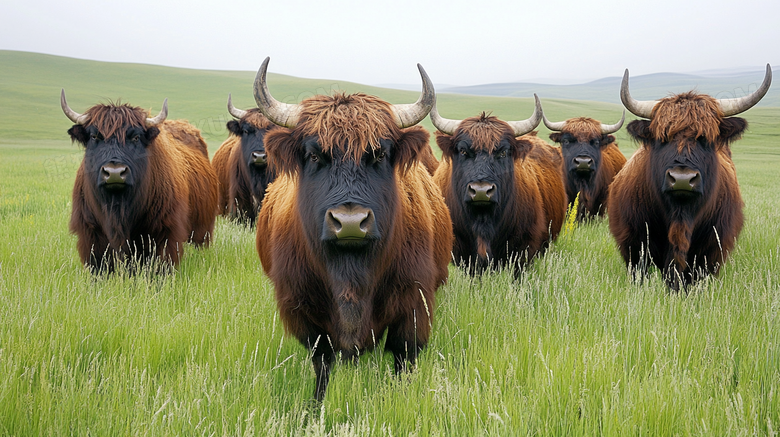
point(30, 86)
point(650, 86)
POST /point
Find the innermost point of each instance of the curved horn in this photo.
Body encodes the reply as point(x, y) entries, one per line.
point(160, 117)
point(735, 106)
point(445, 125)
point(640, 108)
point(553, 126)
point(71, 114)
point(235, 112)
point(525, 126)
point(410, 114)
point(283, 114)
point(612, 128)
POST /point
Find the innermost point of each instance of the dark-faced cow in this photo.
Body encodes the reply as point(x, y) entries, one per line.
point(591, 159)
point(677, 202)
point(353, 233)
point(503, 188)
point(144, 187)
point(242, 165)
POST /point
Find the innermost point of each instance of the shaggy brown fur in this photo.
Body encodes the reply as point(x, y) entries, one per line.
point(688, 115)
point(687, 237)
point(607, 158)
point(114, 119)
point(353, 123)
point(240, 195)
point(175, 202)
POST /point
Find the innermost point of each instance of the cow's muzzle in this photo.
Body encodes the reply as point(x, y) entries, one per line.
point(481, 192)
point(114, 176)
point(259, 159)
point(682, 179)
point(583, 164)
point(349, 223)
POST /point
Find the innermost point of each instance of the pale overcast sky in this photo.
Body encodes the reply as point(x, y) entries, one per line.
point(458, 42)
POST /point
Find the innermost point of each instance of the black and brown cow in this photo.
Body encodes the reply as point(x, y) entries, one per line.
point(503, 188)
point(591, 159)
point(676, 203)
point(242, 165)
point(353, 233)
point(144, 187)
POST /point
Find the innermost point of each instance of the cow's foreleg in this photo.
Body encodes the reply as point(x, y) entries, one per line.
point(407, 337)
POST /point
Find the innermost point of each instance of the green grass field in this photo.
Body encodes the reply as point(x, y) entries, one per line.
point(573, 348)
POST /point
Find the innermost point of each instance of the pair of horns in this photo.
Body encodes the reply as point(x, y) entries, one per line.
point(288, 115)
point(82, 118)
point(644, 108)
point(605, 128)
point(448, 126)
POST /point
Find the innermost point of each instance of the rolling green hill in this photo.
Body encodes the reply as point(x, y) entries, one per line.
point(30, 87)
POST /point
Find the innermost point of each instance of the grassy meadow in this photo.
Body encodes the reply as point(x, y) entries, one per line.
point(572, 348)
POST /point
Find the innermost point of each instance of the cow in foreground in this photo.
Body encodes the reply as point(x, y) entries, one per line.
point(503, 188)
point(353, 233)
point(144, 187)
point(591, 159)
point(677, 202)
point(241, 164)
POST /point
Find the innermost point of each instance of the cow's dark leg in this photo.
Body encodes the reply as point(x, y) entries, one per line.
point(406, 338)
point(322, 359)
point(322, 366)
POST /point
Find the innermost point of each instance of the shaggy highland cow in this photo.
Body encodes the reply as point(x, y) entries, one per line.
point(353, 233)
point(144, 187)
point(676, 203)
point(591, 159)
point(503, 188)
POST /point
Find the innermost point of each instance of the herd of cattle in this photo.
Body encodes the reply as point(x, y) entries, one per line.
point(357, 220)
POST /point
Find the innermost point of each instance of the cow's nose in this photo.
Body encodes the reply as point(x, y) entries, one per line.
point(583, 162)
point(350, 222)
point(113, 173)
point(258, 158)
point(481, 191)
point(683, 179)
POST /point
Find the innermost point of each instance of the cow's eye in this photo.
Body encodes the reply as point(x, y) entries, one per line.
point(380, 157)
point(463, 152)
point(135, 138)
point(93, 137)
point(564, 142)
point(314, 158)
point(594, 143)
point(501, 154)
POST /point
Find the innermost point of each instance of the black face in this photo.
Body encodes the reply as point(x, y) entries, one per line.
point(115, 168)
point(581, 158)
point(480, 178)
point(252, 143)
point(347, 207)
point(685, 176)
point(683, 173)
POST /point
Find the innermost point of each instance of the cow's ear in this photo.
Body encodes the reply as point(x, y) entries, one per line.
point(284, 154)
point(234, 127)
point(606, 140)
point(409, 146)
point(731, 128)
point(640, 130)
point(556, 137)
point(78, 133)
point(521, 147)
point(151, 134)
point(446, 144)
